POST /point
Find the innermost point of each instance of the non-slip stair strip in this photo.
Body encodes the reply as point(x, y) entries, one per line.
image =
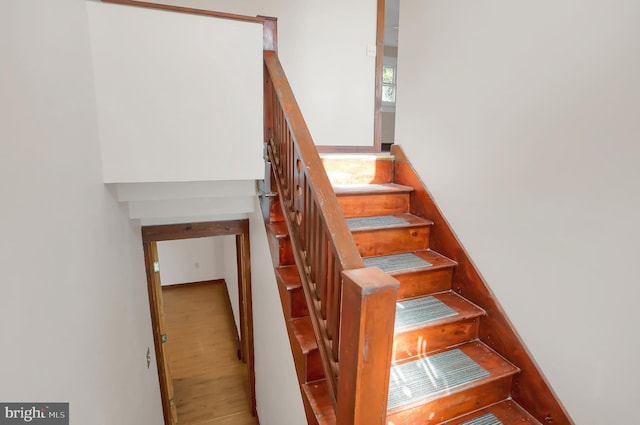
point(373, 222)
point(397, 262)
point(488, 419)
point(420, 311)
point(428, 376)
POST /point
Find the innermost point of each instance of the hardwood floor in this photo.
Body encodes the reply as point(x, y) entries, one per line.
point(210, 383)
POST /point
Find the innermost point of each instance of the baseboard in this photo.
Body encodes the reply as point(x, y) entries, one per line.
point(187, 284)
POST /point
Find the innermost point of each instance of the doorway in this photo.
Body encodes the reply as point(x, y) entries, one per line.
point(153, 234)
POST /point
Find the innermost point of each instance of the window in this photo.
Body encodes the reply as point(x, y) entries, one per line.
point(389, 78)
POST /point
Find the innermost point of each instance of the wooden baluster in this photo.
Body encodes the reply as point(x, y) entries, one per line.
point(368, 315)
point(333, 322)
point(332, 287)
point(268, 109)
point(323, 281)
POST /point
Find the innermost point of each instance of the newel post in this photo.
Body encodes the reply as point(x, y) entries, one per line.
point(269, 33)
point(366, 342)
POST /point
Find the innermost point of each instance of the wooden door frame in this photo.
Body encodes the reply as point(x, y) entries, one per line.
point(239, 228)
point(377, 115)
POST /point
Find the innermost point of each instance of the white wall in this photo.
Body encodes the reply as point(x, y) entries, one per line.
point(179, 96)
point(74, 316)
point(191, 260)
point(322, 46)
point(278, 396)
point(522, 119)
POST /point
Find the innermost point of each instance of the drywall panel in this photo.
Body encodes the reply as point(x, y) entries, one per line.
point(522, 118)
point(74, 315)
point(191, 260)
point(179, 96)
point(322, 46)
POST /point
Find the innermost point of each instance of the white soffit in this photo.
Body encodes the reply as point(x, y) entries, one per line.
point(191, 207)
point(128, 192)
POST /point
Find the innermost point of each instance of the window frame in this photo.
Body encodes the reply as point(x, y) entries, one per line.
point(389, 62)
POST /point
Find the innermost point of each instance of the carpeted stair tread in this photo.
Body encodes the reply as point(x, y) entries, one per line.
point(432, 310)
point(429, 376)
point(420, 311)
point(488, 419)
point(386, 221)
point(425, 379)
point(506, 412)
point(397, 262)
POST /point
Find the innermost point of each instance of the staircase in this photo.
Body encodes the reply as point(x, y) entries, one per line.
point(443, 369)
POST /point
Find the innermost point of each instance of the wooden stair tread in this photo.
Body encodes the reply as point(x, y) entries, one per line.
point(507, 412)
point(317, 395)
point(368, 189)
point(461, 309)
point(278, 229)
point(434, 259)
point(303, 331)
point(289, 277)
point(377, 222)
point(494, 366)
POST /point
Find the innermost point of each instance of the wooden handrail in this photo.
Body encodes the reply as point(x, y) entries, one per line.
point(352, 308)
point(270, 38)
point(181, 9)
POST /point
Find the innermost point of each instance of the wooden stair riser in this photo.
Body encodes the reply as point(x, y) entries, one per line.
point(285, 253)
point(453, 405)
point(343, 170)
point(423, 282)
point(308, 365)
point(391, 240)
point(433, 338)
point(294, 304)
point(373, 204)
point(281, 252)
point(305, 351)
point(273, 210)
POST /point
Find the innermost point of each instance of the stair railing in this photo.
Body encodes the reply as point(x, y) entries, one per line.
point(352, 308)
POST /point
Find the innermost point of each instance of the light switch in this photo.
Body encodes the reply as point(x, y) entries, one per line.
point(371, 50)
